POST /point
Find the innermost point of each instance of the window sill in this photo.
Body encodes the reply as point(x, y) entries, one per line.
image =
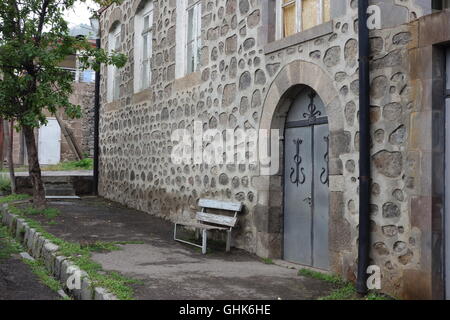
point(188, 81)
point(313, 33)
point(112, 106)
point(142, 96)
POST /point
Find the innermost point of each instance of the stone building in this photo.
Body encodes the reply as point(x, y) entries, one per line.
point(53, 145)
point(291, 66)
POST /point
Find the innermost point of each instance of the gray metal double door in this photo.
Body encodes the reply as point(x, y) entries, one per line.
point(306, 192)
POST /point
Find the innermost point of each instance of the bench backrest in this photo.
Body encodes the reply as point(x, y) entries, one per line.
point(218, 219)
point(222, 205)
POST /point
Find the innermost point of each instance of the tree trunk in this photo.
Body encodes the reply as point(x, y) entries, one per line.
point(34, 169)
point(9, 132)
point(2, 134)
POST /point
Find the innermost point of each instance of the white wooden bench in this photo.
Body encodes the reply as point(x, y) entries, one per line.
point(206, 221)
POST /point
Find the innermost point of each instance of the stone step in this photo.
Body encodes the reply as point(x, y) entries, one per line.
point(56, 180)
point(59, 191)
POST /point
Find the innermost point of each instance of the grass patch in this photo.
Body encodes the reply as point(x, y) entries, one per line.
point(344, 290)
point(321, 276)
point(83, 164)
point(39, 269)
point(7, 245)
point(49, 213)
point(80, 255)
point(5, 184)
point(14, 197)
point(267, 260)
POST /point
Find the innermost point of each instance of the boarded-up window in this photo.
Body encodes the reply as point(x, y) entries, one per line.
point(289, 17)
point(298, 15)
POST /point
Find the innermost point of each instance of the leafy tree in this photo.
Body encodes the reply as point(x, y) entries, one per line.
point(34, 40)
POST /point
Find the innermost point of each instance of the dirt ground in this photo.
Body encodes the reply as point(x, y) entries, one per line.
point(18, 282)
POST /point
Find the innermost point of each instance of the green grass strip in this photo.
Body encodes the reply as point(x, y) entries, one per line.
point(80, 255)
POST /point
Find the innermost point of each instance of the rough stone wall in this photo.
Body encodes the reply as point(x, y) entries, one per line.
point(230, 91)
point(83, 128)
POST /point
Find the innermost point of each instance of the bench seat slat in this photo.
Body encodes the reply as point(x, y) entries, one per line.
point(216, 219)
point(222, 205)
point(201, 226)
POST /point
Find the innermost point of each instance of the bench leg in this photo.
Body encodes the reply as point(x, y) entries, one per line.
point(228, 241)
point(204, 240)
point(175, 232)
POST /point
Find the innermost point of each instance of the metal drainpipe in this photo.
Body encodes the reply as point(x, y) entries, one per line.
point(96, 122)
point(364, 148)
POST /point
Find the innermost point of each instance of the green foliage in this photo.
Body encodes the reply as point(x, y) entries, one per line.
point(344, 290)
point(39, 269)
point(80, 255)
point(84, 164)
point(5, 184)
point(7, 245)
point(34, 40)
point(49, 213)
point(267, 260)
point(14, 197)
point(320, 276)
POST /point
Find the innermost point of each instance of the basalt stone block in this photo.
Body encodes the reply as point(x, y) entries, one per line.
point(73, 282)
point(34, 243)
point(39, 242)
point(12, 223)
point(87, 289)
point(57, 267)
point(20, 230)
point(29, 238)
point(67, 268)
point(103, 294)
point(48, 255)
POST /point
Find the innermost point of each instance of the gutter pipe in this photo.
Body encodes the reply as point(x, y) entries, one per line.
point(364, 148)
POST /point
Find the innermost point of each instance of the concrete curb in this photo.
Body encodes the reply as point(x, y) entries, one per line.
point(58, 266)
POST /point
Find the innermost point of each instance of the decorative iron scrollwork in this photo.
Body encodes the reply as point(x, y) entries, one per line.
point(312, 113)
point(299, 172)
point(324, 175)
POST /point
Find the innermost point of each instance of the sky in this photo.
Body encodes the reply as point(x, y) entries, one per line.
point(80, 13)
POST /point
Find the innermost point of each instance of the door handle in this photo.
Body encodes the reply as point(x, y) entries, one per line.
point(308, 200)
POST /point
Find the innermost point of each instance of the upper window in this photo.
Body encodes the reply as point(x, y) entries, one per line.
point(143, 27)
point(298, 15)
point(114, 40)
point(189, 14)
point(440, 4)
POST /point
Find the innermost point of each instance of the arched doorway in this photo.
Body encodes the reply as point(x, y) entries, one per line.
point(306, 180)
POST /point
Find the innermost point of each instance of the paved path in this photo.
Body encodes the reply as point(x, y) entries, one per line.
point(171, 270)
point(18, 282)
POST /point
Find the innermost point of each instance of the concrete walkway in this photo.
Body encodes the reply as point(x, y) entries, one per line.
point(171, 270)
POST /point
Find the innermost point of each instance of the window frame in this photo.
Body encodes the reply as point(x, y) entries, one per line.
point(181, 63)
point(142, 66)
point(114, 43)
point(298, 18)
point(196, 40)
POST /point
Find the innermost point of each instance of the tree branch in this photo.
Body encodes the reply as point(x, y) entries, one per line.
point(42, 16)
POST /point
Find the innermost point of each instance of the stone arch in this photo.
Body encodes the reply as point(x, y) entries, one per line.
point(114, 18)
point(269, 210)
point(139, 5)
